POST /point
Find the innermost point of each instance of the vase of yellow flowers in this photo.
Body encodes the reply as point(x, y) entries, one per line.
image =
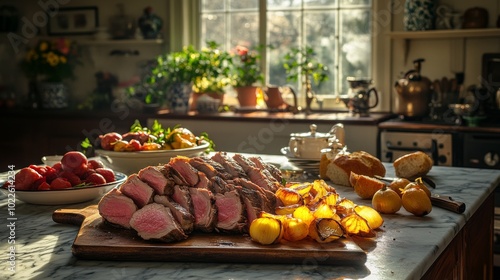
point(47, 65)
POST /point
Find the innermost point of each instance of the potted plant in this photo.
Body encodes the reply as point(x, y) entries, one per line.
point(247, 75)
point(214, 77)
point(302, 64)
point(169, 79)
point(47, 65)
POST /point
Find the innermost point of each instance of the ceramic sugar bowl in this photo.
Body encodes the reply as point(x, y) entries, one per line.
point(308, 145)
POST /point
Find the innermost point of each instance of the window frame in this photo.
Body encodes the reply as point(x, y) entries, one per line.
point(381, 24)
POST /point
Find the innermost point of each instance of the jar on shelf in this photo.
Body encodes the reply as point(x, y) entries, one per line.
point(419, 15)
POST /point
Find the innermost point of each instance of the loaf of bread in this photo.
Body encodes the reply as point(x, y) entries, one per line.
point(362, 163)
point(413, 165)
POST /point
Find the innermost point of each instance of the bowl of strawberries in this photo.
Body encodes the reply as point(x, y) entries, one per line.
point(73, 179)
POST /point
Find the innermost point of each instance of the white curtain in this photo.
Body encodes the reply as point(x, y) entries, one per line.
point(184, 24)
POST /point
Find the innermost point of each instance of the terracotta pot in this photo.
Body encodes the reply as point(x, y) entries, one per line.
point(195, 96)
point(247, 96)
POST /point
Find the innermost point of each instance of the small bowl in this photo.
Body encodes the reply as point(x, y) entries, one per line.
point(51, 160)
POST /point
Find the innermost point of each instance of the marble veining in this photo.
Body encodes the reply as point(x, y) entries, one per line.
point(405, 246)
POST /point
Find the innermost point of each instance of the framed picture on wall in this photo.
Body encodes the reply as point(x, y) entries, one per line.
point(73, 21)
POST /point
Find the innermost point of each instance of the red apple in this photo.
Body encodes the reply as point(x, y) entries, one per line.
point(108, 140)
point(75, 162)
point(94, 164)
point(95, 179)
point(107, 173)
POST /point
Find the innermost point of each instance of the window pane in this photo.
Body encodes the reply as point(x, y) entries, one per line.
point(212, 5)
point(320, 3)
point(244, 30)
point(320, 35)
point(213, 28)
point(356, 45)
point(244, 4)
point(344, 3)
point(276, 4)
point(283, 34)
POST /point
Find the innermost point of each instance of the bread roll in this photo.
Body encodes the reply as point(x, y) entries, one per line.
point(413, 165)
point(362, 163)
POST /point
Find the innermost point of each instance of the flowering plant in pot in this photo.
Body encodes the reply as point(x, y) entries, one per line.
point(50, 63)
point(247, 75)
point(301, 63)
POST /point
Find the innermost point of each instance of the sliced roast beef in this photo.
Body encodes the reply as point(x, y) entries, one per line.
point(230, 212)
point(231, 166)
point(203, 166)
point(273, 170)
point(172, 175)
point(205, 213)
point(182, 197)
point(269, 199)
point(116, 208)
point(181, 214)
point(219, 185)
point(252, 200)
point(155, 222)
point(185, 170)
point(259, 178)
point(244, 162)
point(155, 179)
point(204, 182)
point(140, 192)
point(221, 171)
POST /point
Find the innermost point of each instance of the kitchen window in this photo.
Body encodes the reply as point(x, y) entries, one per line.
point(340, 32)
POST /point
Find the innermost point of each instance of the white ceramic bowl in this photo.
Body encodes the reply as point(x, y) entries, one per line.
point(132, 162)
point(66, 196)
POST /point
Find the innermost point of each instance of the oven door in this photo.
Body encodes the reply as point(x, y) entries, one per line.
point(438, 146)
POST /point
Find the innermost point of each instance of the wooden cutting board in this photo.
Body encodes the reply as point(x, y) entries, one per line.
point(97, 240)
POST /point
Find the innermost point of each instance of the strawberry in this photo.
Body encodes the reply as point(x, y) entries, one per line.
point(60, 183)
point(107, 173)
point(71, 177)
point(44, 186)
point(26, 178)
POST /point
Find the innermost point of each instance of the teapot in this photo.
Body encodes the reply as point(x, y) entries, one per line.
point(308, 145)
point(357, 99)
point(414, 93)
point(274, 98)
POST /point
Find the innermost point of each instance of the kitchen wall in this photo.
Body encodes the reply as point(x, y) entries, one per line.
point(95, 57)
point(445, 57)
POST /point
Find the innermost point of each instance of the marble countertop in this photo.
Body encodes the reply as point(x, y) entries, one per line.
point(404, 248)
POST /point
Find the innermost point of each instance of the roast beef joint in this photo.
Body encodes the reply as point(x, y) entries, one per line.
point(168, 202)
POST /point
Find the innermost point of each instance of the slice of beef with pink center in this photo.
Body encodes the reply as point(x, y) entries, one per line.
point(181, 214)
point(205, 213)
point(155, 179)
point(182, 197)
point(155, 222)
point(230, 212)
point(188, 172)
point(273, 170)
point(140, 192)
point(252, 201)
point(116, 208)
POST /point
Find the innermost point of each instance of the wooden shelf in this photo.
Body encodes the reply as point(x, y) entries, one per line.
point(446, 34)
point(120, 42)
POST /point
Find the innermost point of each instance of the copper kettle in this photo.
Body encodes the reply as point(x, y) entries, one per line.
point(414, 93)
